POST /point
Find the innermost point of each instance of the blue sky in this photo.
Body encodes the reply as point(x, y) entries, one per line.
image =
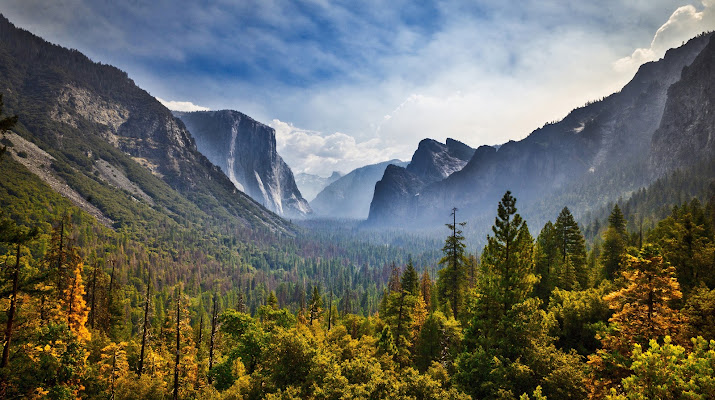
point(348, 83)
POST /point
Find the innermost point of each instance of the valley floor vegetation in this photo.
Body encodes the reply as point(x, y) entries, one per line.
point(530, 318)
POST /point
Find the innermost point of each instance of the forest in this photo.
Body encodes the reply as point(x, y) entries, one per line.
point(92, 313)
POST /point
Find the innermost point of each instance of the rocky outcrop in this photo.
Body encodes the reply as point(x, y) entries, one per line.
point(350, 196)
point(395, 194)
point(434, 161)
point(245, 150)
point(687, 130)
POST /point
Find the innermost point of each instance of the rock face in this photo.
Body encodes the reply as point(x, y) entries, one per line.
point(97, 123)
point(395, 194)
point(310, 185)
point(350, 196)
point(245, 150)
point(687, 130)
point(595, 154)
point(434, 161)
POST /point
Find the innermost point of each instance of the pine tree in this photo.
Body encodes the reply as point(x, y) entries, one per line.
point(572, 249)
point(545, 261)
point(614, 244)
point(508, 346)
point(272, 301)
point(452, 280)
point(617, 221)
point(393, 284)
point(15, 236)
point(410, 279)
point(386, 343)
point(316, 305)
point(686, 237)
point(507, 261)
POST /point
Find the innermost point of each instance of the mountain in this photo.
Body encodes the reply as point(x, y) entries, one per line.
point(395, 194)
point(110, 146)
point(596, 154)
point(245, 150)
point(310, 185)
point(686, 135)
point(434, 161)
point(350, 196)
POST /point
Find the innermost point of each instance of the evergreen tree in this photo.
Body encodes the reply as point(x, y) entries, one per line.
point(572, 249)
point(545, 259)
point(17, 236)
point(508, 347)
point(393, 284)
point(452, 280)
point(686, 237)
point(410, 279)
point(426, 289)
point(617, 221)
point(386, 342)
point(615, 240)
point(507, 261)
point(315, 305)
point(272, 301)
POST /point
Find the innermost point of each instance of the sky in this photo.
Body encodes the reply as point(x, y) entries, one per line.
point(350, 83)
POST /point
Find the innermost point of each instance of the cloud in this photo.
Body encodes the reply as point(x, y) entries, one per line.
point(313, 152)
point(371, 79)
point(685, 23)
point(181, 105)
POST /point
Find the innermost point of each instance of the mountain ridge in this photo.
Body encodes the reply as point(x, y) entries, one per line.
point(590, 142)
point(245, 150)
point(88, 115)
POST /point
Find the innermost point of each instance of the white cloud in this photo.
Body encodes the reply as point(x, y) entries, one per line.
point(368, 81)
point(181, 105)
point(317, 153)
point(685, 23)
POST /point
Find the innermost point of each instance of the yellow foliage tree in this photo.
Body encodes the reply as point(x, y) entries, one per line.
point(75, 306)
point(642, 313)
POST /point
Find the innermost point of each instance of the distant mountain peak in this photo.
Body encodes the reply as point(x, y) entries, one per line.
point(245, 150)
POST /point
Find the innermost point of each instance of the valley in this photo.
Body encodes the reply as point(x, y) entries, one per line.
point(155, 253)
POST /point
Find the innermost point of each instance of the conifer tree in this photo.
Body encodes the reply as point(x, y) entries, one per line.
point(410, 279)
point(145, 326)
point(17, 236)
point(452, 280)
point(507, 261)
point(393, 284)
point(545, 261)
point(686, 237)
point(426, 289)
point(316, 305)
point(272, 301)
point(572, 248)
point(614, 243)
point(508, 335)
